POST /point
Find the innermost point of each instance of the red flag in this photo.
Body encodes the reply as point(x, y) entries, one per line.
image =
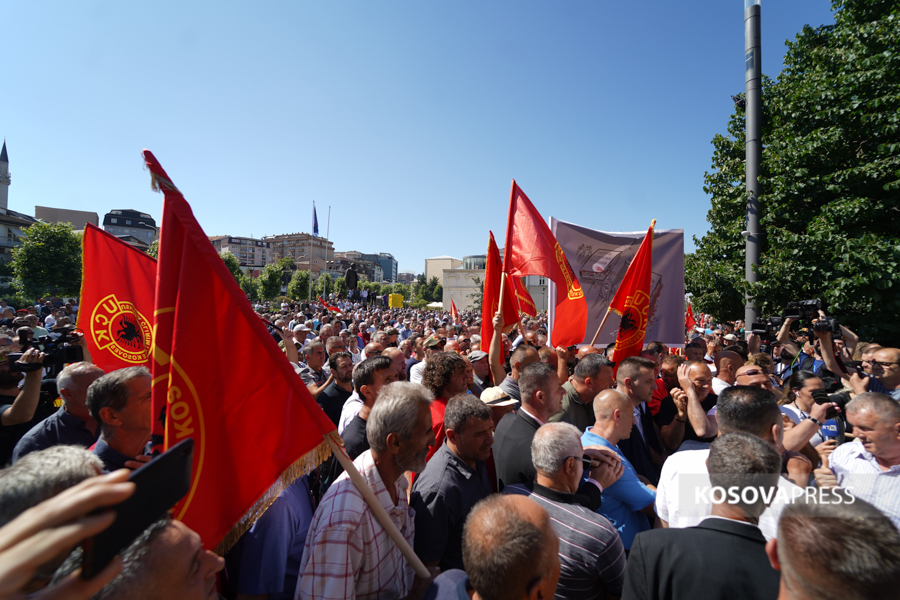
point(689, 322)
point(328, 306)
point(523, 298)
point(220, 378)
point(632, 301)
point(116, 312)
point(531, 249)
point(454, 314)
point(490, 298)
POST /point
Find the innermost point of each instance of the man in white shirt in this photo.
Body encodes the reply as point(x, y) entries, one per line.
point(727, 364)
point(682, 498)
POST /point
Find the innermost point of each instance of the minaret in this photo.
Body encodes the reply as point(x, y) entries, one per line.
point(4, 179)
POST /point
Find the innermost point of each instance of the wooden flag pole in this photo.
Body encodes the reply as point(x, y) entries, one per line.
point(602, 323)
point(502, 286)
point(378, 510)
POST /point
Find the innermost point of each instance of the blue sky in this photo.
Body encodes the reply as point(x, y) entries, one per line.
point(408, 118)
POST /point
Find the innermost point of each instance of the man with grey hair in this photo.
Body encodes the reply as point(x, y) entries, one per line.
point(38, 477)
point(847, 550)
point(120, 403)
point(72, 424)
point(348, 554)
point(726, 556)
point(453, 481)
point(593, 374)
point(869, 467)
point(590, 549)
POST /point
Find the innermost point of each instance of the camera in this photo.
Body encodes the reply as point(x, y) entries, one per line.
point(823, 397)
point(829, 324)
point(805, 310)
point(56, 353)
point(767, 329)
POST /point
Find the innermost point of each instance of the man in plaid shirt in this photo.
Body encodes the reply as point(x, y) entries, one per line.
point(348, 554)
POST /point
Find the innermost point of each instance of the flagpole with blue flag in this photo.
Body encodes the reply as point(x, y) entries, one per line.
point(315, 221)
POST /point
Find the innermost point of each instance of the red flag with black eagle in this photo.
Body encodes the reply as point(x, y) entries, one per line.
point(220, 378)
point(116, 308)
point(490, 297)
point(632, 301)
point(531, 249)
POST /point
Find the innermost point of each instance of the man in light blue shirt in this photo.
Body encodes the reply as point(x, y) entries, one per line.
point(628, 503)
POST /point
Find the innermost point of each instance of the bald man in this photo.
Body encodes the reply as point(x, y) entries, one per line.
point(504, 537)
point(399, 360)
point(684, 414)
point(628, 503)
point(727, 364)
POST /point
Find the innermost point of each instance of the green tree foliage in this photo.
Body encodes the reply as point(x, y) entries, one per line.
point(269, 282)
point(153, 250)
point(477, 296)
point(374, 288)
point(324, 285)
point(250, 287)
point(48, 261)
point(233, 265)
point(298, 288)
point(340, 286)
point(830, 181)
point(438, 294)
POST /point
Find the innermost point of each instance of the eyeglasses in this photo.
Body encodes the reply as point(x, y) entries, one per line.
point(750, 373)
point(587, 460)
point(883, 364)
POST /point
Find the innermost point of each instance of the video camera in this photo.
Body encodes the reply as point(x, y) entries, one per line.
point(804, 310)
point(767, 329)
point(55, 351)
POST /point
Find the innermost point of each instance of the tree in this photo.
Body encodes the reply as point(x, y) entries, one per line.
point(438, 294)
point(477, 296)
point(298, 288)
point(48, 261)
point(324, 285)
point(340, 286)
point(233, 265)
point(153, 250)
point(269, 281)
point(830, 181)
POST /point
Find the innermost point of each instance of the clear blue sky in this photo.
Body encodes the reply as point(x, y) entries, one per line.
point(408, 118)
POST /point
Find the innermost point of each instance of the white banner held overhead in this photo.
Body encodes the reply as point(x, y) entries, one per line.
point(600, 259)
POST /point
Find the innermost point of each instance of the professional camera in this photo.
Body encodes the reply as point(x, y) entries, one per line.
point(767, 329)
point(829, 324)
point(56, 353)
point(805, 310)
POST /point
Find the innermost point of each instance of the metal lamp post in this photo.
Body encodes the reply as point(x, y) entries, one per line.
point(753, 136)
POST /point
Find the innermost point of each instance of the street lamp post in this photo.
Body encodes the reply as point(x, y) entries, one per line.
point(753, 136)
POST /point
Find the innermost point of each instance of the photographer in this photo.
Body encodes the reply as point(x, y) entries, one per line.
point(17, 407)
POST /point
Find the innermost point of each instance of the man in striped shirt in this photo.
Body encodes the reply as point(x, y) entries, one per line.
point(591, 553)
point(348, 554)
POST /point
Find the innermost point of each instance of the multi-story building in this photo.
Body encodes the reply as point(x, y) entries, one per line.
point(78, 218)
point(366, 270)
point(251, 253)
point(462, 281)
point(132, 226)
point(434, 267)
point(406, 277)
point(12, 223)
point(388, 266)
point(308, 252)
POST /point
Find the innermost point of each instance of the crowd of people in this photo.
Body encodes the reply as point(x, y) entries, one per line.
point(732, 466)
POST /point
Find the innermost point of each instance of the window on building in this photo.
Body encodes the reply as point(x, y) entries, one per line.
point(128, 222)
point(113, 220)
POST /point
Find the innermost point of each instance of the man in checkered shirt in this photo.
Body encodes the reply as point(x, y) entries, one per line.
point(348, 555)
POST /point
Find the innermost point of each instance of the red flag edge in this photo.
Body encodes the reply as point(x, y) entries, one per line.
point(305, 463)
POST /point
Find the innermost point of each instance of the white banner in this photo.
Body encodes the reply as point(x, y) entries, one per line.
point(600, 259)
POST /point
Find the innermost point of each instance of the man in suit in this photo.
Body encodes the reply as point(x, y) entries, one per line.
point(541, 399)
point(643, 448)
point(727, 556)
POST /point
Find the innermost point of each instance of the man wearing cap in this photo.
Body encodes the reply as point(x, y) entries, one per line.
point(730, 339)
point(301, 332)
point(431, 346)
point(499, 402)
point(482, 369)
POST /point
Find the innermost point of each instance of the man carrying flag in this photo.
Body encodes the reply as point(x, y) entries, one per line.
point(531, 249)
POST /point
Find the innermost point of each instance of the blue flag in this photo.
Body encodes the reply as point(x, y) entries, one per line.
point(315, 221)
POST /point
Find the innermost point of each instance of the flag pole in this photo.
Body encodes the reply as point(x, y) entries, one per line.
point(602, 323)
point(378, 510)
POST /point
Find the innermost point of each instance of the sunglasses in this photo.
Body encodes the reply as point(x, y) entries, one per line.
point(751, 373)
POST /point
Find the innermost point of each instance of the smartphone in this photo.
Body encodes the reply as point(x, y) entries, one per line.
point(160, 484)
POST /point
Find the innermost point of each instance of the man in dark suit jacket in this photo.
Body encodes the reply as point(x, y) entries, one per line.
point(541, 399)
point(725, 555)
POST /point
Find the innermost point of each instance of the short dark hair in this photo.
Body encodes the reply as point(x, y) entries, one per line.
point(535, 377)
point(749, 409)
point(364, 372)
point(112, 390)
point(847, 549)
point(460, 408)
point(332, 360)
point(658, 347)
point(741, 460)
point(591, 365)
point(440, 367)
point(498, 547)
point(631, 367)
point(518, 355)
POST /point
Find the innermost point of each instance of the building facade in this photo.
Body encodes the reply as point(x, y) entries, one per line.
point(366, 270)
point(78, 218)
point(129, 222)
point(434, 267)
point(308, 252)
point(251, 253)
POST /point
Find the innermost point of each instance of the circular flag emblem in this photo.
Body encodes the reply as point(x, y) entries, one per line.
point(118, 327)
